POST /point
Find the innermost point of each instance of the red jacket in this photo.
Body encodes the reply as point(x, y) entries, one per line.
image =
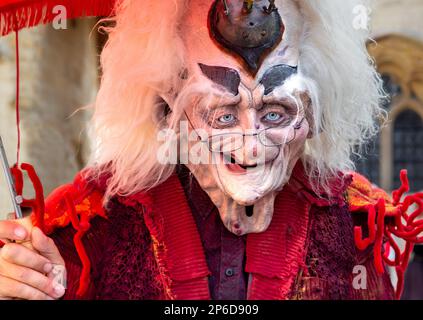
point(146, 246)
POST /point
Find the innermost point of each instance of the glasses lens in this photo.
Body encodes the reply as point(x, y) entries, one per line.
point(226, 142)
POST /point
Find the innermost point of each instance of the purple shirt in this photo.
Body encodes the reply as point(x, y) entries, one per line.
point(225, 252)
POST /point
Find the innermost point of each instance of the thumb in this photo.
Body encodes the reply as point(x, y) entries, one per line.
point(46, 246)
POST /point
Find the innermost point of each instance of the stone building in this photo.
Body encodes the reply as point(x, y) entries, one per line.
point(397, 27)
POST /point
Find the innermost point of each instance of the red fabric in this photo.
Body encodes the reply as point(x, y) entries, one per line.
point(387, 216)
point(275, 256)
point(88, 201)
point(37, 204)
point(18, 14)
point(74, 204)
point(225, 251)
point(177, 244)
point(82, 225)
point(123, 268)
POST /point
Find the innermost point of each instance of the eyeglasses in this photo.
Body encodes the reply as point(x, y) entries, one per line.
point(233, 141)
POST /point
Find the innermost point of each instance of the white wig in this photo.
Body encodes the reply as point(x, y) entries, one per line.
point(143, 60)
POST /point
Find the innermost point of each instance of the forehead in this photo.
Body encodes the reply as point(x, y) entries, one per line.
point(201, 48)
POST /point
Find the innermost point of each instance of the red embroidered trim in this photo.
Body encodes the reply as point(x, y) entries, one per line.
point(275, 256)
point(74, 204)
point(177, 244)
point(82, 226)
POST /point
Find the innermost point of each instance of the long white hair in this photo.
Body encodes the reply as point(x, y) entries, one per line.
point(143, 60)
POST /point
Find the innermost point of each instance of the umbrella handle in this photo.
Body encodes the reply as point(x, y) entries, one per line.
point(16, 200)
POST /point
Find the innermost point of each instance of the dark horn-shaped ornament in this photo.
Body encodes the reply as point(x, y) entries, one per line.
point(247, 28)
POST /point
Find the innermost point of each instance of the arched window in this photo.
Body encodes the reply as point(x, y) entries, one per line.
point(408, 148)
point(400, 142)
point(368, 163)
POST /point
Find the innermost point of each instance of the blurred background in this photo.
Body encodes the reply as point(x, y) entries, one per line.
point(60, 74)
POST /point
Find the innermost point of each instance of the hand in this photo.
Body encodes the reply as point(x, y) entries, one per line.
point(29, 264)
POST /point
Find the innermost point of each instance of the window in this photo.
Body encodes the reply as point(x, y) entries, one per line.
point(400, 142)
point(408, 148)
point(369, 162)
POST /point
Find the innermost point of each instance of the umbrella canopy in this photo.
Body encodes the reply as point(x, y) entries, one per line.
point(18, 14)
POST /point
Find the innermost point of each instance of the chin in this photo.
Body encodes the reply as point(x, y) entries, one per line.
point(248, 185)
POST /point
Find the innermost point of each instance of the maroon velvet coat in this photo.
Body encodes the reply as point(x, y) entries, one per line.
point(150, 247)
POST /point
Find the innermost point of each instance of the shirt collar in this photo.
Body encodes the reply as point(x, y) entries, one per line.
point(198, 199)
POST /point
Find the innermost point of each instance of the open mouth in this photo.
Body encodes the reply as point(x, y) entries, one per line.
point(233, 166)
point(249, 211)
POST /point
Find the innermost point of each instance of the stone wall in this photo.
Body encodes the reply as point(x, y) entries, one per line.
point(59, 75)
point(401, 17)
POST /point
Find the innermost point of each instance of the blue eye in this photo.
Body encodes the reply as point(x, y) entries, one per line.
point(272, 117)
point(227, 118)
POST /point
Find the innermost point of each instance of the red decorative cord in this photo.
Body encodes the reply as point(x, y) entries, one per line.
point(377, 249)
point(37, 204)
point(402, 224)
point(361, 243)
point(81, 225)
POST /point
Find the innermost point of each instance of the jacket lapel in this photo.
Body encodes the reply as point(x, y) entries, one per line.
point(274, 257)
point(176, 243)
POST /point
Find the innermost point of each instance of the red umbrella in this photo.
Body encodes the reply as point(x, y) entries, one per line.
point(18, 14)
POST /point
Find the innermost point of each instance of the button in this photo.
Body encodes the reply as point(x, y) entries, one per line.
point(229, 272)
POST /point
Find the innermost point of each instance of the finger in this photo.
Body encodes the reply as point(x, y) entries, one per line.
point(12, 230)
point(33, 278)
point(10, 288)
point(46, 247)
point(11, 216)
point(18, 254)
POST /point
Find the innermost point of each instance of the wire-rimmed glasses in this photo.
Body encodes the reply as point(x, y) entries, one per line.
point(233, 141)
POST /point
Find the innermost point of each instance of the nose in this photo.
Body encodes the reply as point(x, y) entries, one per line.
point(251, 149)
point(251, 152)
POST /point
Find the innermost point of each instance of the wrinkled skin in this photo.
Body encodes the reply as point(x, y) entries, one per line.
point(259, 171)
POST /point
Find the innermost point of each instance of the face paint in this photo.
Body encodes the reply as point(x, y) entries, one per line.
point(226, 77)
point(275, 76)
point(253, 148)
point(251, 119)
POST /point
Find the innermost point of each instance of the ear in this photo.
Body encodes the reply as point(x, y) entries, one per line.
point(162, 112)
point(309, 115)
